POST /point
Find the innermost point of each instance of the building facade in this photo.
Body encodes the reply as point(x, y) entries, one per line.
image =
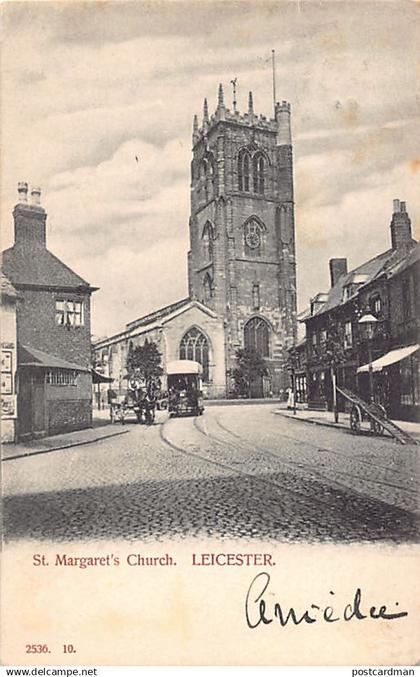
point(53, 329)
point(183, 330)
point(385, 288)
point(241, 263)
point(9, 300)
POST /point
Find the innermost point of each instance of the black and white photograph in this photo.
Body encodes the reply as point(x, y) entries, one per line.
point(210, 310)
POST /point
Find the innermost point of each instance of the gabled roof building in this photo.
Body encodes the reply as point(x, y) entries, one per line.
point(53, 328)
point(385, 288)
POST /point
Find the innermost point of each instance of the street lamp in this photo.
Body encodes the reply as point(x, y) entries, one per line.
point(367, 325)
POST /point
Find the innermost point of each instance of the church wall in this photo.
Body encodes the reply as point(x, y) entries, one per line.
point(175, 329)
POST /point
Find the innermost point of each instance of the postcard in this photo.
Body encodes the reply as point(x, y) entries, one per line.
point(210, 333)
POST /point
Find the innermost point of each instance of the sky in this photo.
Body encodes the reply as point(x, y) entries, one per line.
point(87, 87)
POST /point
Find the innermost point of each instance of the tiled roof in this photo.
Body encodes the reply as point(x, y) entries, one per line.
point(6, 287)
point(410, 259)
point(40, 268)
point(369, 270)
point(32, 357)
point(158, 314)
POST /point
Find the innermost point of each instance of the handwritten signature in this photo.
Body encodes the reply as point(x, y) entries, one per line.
point(259, 610)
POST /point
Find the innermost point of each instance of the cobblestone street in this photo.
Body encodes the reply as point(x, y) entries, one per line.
point(235, 472)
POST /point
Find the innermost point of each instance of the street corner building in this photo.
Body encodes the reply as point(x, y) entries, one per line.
point(53, 380)
point(366, 329)
point(241, 263)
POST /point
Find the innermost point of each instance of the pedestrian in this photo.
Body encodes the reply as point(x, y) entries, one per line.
point(290, 398)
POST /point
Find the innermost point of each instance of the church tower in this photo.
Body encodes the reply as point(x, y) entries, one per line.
point(242, 236)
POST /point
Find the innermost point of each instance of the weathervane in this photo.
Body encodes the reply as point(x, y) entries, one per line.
point(233, 83)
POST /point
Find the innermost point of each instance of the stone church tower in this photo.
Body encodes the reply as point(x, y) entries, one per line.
point(242, 235)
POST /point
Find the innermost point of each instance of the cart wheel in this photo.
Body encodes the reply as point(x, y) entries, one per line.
point(376, 427)
point(355, 419)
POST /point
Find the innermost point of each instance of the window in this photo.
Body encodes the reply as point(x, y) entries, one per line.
point(408, 297)
point(243, 171)
point(257, 336)
point(194, 346)
point(207, 287)
point(323, 336)
point(253, 238)
point(255, 296)
point(61, 377)
point(348, 335)
point(410, 381)
point(258, 172)
point(314, 339)
point(375, 303)
point(69, 312)
point(208, 241)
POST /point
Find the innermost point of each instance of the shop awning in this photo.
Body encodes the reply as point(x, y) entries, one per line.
point(97, 377)
point(31, 357)
point(392, 357)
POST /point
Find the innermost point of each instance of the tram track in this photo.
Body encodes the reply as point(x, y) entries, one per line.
point(339, 499)
point(312, 468)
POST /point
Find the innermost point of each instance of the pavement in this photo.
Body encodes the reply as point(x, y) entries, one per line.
point(101, 430)
point(234, 473)
point(326, 418)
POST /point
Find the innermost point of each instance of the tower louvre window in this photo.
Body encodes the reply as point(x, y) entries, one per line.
point(257, 336)
point(207, 287)
point(259, 173)
point(243, 171)
point(195, 346)
point(208, 241)
point(256, 296)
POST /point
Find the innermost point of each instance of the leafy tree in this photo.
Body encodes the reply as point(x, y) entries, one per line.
point(144, 362)
point(333, 355)
point(250, 366)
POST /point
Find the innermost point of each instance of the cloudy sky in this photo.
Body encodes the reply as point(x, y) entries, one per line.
point(88, 86)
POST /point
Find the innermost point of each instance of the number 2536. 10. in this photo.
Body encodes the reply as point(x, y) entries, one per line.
point(43, 648)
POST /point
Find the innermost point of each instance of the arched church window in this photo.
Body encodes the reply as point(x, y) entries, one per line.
point(208, 241)
point(207, 287)
point(243, 171)
point(253, 234)
point(195, 346)
point(257, 336)
point(259, 173)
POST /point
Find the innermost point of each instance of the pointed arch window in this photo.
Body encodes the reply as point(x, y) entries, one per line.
point(195, 346)
point(207, 287)
point(208, 241)
point(257, 336)
point(243, 171)
point(259, 173)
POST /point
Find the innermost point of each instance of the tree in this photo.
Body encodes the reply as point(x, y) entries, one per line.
point(333, 355)
point(144, 362)
point(250, 366)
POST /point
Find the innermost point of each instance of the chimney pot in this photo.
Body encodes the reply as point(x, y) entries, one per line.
point(23, 191)
point(403, 207)
point(36, 195)
point(396, 206)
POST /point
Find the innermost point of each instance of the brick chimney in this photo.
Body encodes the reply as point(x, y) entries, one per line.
point(30, 218)
point(400, 226)
point(338, 268)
